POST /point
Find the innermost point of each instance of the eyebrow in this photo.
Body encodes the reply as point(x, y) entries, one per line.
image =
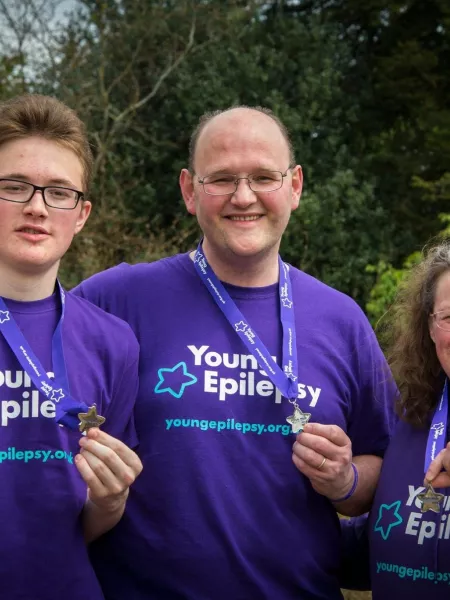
point(228, 171)
point(56, 181)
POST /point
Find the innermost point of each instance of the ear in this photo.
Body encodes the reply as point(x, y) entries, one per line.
point(187, 189)
point(86, 207)
point(297, 186)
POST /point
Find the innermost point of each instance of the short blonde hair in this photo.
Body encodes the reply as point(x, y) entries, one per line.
point(36, 115)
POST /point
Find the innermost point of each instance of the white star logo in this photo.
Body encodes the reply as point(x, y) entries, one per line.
point(438, 428)
point(4, 316)
point(198, 257)
point(59, 393)
point(241, 326)
point(286, 303)
point(291, 376)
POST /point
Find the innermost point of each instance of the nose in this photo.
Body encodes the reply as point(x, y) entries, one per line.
point(36, 205)
point(243, 196)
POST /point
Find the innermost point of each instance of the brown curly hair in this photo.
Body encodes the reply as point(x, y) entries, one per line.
point(411, 351)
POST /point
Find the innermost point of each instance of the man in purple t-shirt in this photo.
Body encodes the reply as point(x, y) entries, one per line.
point(238, 352)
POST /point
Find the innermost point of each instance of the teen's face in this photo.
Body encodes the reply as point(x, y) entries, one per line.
point(246, 223)
point(441, 337)
point(33, 236)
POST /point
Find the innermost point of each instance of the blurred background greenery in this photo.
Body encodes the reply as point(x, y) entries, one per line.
point(362, 86)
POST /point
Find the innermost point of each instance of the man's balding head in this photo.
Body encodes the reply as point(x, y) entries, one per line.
point(235, 116)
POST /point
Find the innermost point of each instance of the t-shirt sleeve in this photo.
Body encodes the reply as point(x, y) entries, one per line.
point(119, 414)
point(372, 417)
point(104, 289)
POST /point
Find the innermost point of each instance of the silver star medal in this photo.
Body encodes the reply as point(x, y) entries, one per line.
point(430, 500)
point(298, 420)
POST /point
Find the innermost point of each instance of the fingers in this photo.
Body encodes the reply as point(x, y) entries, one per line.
point(439, 470)
point(308, 460)
point(318, 442)
point(441, 481)
point(99, 483)
point(314, 445)
point(313, 472)
point(107, 465)
point(101, 444)
point(333, 433)
point(323, 453)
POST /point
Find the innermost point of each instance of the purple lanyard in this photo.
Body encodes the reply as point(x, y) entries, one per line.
point(66, 408)
point(438, 430)
point(284, 379)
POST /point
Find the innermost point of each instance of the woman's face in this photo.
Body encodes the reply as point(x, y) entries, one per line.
point(33, 236)
point(440, 336)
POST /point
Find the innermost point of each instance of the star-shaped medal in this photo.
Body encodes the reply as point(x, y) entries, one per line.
point(298, 420)
point(430, 500)
point(90, 419)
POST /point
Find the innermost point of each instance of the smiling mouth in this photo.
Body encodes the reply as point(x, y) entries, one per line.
point(245, 218)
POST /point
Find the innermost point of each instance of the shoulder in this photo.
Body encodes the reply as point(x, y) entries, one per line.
point(100, 328)
point(127, 273)
point(314, 294)
point(126, 281)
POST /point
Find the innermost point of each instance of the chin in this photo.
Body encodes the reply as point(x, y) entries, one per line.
point(251, 248)
point(35, 264)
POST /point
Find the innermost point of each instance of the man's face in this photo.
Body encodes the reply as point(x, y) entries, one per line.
point(246, 223)
point(33, 236)
point(441, 337)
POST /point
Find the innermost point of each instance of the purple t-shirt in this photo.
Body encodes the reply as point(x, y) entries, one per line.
point(43, 555)
point(220, 510)
point(410, 550)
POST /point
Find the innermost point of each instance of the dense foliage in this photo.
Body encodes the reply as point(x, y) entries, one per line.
point(362, 86)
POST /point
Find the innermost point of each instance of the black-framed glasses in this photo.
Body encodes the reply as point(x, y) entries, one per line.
point(220, 184)
point(442, 319)
point(54, 196)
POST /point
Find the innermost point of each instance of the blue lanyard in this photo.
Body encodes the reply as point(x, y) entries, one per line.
point(438, 430)
point(66, 407)
point(284, 379)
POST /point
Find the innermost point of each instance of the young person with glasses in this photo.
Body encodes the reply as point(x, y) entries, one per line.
point(239, 350)
point(66, 367)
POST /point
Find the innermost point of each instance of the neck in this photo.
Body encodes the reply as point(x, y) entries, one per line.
point(26, 287)
point(247, 271)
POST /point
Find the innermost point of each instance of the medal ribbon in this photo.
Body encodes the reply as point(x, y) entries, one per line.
point(66, 407)
point(438, 430)
point(284, 379)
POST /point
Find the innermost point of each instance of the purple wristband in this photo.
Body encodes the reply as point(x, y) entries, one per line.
point(352, 489)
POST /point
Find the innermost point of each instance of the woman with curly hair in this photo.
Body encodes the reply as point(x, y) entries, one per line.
point(410, 518)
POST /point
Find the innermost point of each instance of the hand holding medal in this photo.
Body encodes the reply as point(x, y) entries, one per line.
point(108, 467)
point(323, 453)
point(438, 474)
point(439, 470)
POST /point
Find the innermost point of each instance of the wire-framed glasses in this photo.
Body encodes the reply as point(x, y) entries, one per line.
point(219, 184)
point(54, 196)
point(442, 319)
